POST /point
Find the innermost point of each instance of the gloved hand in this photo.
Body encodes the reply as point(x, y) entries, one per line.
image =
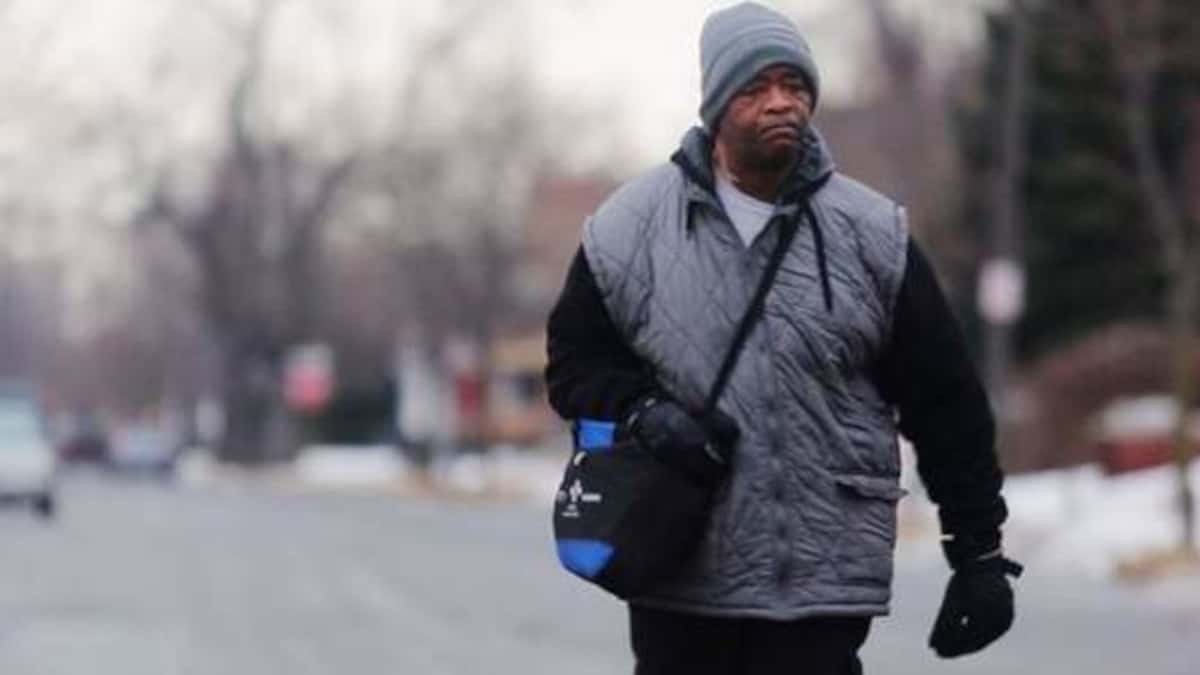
point(978, 605)
point(700, 448)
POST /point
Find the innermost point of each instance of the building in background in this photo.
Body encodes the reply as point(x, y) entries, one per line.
point(518, 412)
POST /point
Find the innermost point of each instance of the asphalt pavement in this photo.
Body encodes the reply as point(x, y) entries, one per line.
point(143, 578)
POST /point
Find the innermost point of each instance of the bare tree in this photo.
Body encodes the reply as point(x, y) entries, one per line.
point(911, 120)
point(1144, 37)
point(231, 253)
point(449, 176)
point(457, 187)
point(33, 297)
point(256, 241)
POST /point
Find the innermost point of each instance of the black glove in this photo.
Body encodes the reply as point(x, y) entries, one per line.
point(699, 448)
point(978, 606)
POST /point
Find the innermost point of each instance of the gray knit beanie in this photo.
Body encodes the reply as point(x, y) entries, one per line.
point(739, 42)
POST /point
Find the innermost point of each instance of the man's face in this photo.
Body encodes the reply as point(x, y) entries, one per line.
point(764, 123)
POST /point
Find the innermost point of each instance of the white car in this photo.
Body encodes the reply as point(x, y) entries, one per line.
point(146, 450)
point(28, 463)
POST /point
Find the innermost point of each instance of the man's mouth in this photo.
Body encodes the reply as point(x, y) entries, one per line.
point(781, 131)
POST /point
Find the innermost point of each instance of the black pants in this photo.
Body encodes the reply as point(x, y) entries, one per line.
point(671, 643)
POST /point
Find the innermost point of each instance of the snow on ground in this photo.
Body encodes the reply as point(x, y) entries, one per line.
point(1080, 520)
point(347, 466)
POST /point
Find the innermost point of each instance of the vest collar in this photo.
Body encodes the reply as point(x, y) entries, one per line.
point(694, 158)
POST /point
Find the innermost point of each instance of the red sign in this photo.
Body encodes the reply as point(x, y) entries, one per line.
point(308, 378)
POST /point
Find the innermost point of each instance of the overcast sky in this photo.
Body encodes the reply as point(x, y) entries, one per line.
point(642, 58)
point(634, 62)
point(159, 70)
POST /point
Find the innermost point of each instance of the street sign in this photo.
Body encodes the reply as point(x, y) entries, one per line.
point(308, 377)
point(1001, 294)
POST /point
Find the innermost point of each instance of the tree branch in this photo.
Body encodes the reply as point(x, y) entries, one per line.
point(1133, 30)
point(898, 43)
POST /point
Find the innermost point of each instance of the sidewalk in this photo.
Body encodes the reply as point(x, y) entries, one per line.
point(500, 474)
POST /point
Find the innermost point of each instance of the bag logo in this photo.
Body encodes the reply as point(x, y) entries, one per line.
point(574, 496)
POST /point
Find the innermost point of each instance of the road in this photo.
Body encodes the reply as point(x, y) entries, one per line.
point(144, 579)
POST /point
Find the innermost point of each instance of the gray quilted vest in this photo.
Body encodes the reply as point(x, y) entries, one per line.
point(806, 524)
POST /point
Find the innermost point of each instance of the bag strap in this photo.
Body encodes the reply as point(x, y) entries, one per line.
point(787, 233)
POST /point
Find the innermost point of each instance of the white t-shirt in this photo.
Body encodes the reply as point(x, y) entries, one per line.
point(749, 215)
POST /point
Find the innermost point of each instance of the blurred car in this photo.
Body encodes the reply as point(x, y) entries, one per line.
point(1136, 433)
point(82, 440)
point(28, 463)
point(144, 450)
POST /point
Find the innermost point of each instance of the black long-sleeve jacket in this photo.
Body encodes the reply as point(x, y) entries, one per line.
point(925, 372)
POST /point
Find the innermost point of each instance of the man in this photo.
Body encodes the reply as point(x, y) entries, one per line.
point(855, 343)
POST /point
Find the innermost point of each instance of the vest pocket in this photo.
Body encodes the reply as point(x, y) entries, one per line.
point(868, 538)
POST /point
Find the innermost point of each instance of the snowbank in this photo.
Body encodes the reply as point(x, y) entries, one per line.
point(350, 466)
point(1082, 521)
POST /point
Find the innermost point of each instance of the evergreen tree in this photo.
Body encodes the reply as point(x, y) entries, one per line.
point(1089, 260)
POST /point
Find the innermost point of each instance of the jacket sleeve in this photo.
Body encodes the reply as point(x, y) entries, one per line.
point(591, 372)
point(927, 374)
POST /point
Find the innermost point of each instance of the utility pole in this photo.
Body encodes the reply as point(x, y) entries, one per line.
point(1002, 278)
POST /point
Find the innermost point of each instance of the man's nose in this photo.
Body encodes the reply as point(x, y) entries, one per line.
point(779, 101)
